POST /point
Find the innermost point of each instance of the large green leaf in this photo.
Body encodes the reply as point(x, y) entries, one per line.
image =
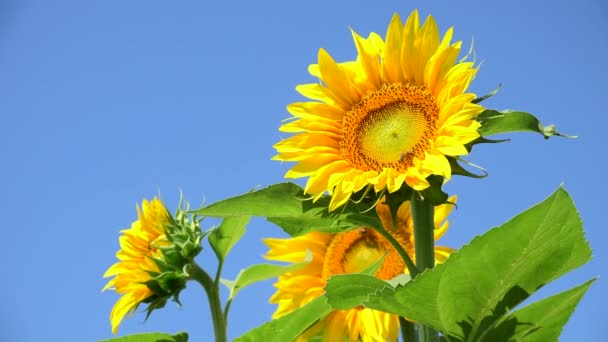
point(287, 206)
point(346, 291)
point(290, 326)
point(260, 272)
point(477, 286)
point(151, 337)
point(495, 122)
point(541, 321)
point(224, 237)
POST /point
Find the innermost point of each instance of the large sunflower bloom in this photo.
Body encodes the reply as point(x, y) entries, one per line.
point(349, 252)
point(139, 245)
point(390, 117)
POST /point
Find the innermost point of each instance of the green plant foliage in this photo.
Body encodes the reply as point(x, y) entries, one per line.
point(151, 337)
point(261, 272)
point(495, 122)
point(224, 237)
point(290, 326)
point(287, 206)
point(470, 296)
point(346, 291)
point(541, 321)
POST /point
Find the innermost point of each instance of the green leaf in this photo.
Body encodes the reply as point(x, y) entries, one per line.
point(260, 272)
point(290, 326)
point(151, 337)
point(495, 122)
point(373, 268)
point(224, 237)
point(287, 206)
point(278, 200)
point(346, 291)
point(540, 321)
point(480, 284)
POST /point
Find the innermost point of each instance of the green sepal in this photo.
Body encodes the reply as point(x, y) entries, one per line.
point(496, 122)
point(457, 169)
point(171, 282)
point(191, 249)
point(394, 200)
point(165, 285)
point(487, 96)
point(434, 193)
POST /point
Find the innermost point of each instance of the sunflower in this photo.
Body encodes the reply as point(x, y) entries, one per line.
point(393, 116)
point(139, 246)
point(349, 252)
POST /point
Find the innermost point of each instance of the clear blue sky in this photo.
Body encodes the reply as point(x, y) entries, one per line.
point(104, 103)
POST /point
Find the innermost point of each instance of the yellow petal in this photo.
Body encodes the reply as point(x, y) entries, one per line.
point(410, 31)
point(391, 66)
point(311, 165)
point(302, 154)
point(303, 125)
point(438, 66)
point(305, 141)
point(315, 91)
point(319, 183)
point(369, 61)
point(450, 146)
point(442, 253)
point(315, 110)
point(335, 80)
point(416, 180)
point(438, 164)
point(338, 198)
point(394, 180)
point(427, 42)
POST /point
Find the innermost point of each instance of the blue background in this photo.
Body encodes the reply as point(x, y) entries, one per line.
point(104, 103)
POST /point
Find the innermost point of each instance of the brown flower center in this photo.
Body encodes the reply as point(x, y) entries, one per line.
point(357, 250)
point(389, 127)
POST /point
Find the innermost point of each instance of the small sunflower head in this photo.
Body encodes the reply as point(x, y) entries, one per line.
point(154, 259)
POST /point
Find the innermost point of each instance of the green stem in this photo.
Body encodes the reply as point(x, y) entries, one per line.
point(213, 293)
point(424, 240)
point(397, 246)
point(424, 236)
point(227, 309)
point(408, 334)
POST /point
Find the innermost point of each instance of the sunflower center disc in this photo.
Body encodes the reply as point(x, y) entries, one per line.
point(362, 255)
point(389, 134)
point(357, 250)
point(389, 127)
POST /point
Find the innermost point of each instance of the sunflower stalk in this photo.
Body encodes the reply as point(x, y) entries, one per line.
point(394, 201)
point(411, 267)
point(213, 294)
point(424, 241)
point(408, 333)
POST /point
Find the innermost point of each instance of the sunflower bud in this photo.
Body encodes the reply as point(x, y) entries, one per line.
point(163, 247)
